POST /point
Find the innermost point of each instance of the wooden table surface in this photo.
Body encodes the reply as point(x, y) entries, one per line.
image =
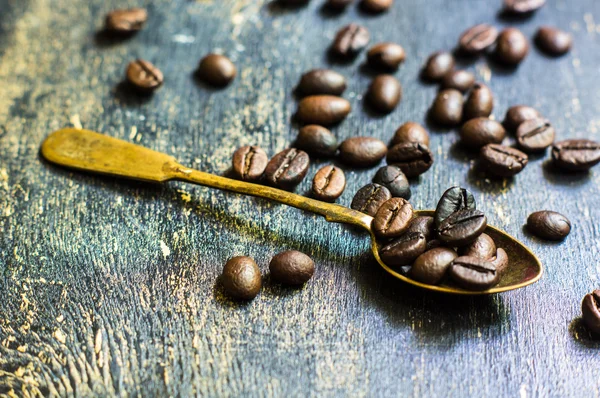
point(109, 287)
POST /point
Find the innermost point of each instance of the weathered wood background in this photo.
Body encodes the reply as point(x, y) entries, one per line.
point(108, 286)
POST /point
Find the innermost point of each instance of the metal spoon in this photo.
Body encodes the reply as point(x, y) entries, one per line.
point(98, 153)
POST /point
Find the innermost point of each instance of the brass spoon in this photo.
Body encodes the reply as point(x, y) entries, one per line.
point(90, 151)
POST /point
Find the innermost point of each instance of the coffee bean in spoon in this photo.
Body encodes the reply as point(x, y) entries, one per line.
point(143, 76)
point(553, 41)
point(322, 81)
point(323, 110)
point(241, 278)
point(369, 198)
point(422, 224)
point(386, 56)
point(502, 161)
point(460, 80)
point(590, 310)
point(462, 228)
point(249, 162)
point(393, 178)
point(292, 268)
point(410, 132)
point(480, 102)
point(413, 158)
point(329, 183)
point(477, 38)
point(500, 261)
point(473, 273)
point(393, 218)
point(549, 225)
point(478, 132)
point(362, 151)
point(453, 199)
point(350, 40)
point(431, 266)
point(126, 21)
point(287, 169)
point(447, 108)
point(404, 249)
point(482, 247)
point(385, 93)
point(438, 65)
point(517, 114)
point(576, 154)
point(511, 47)
point(216, 70)
point(317, 141)
point(535, 135)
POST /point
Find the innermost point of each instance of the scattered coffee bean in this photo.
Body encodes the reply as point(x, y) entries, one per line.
point(431, 266)
point(216, 70)
point(483, 247)
point(462, 227)
point(478, 132)
point(317, 140)
point(369, 198)
point(447, 108)
point(288, 168)
point(338, 4)
point(323, 109)
point(241, 278)
point(376, 6)
point(518, 114)
point(329, 183)
point(411, 132)
point(473, 273)
point(422, 224)
point(413, 158)
point(393, 179)
point(403, 250)
point(144, 76)
point(249, 162)
point(350, 40)
point(590, 309)
point(477, 38)
point(553, 41)
point(480, 102)
point(385, 92)
point(549, 225)
point(512, 46)
point(322, 81)
point(522, 6)
point(453, 199)
point(502, 161)
point(500, 261)
point(535, 135)
point(393, 218)
point(386, 56)
point(362, 151)
point(576, 155)
point(460, 80)
point(291, 268)
point(438, 65)
point(126, 21)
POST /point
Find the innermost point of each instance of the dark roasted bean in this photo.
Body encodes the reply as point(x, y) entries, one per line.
point(287, 168)
point(338, 4)
point(329, 183)
point(447, 108)
point(462, 227)
point(410, 132)
point(433, 243)
point(473, 273)
point(482, 247)
point(576, 155)
point(126, 21)
point(291, 268)
point(376, 6)
point(350, 40)
point(590, 309)
point(317, 140)
point(500, 261)
point(393, 218)
point(322, 81)
point(362, 151)
point(522, 6)
point(385, 92)
point(478, 38)
point(393, 179)
point(518, 114)
point(548, 224)
point(403, 250)
point(512, 46)
point(144, 76)
point(216, 70)
point(460, 80)
point(249, 162)
point(323, 109)
point(453, 200)
point(413, 158)
point(422, 224)
point(241, 278)
point(386, 56)
point(481, 131)
point(553, 41)
point(369, 198)
point(438, 65)
point(431, 266)
point(502, 161)
point(480, 102)
point(535, 135)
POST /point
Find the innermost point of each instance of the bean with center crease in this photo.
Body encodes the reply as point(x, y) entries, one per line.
point(535, 135)
point(473, 273)
point(393, 218)
point(144, 76)
point(287, 168)
point(453, 200)
point(462, 227)
point(350, 40)
point(576, 154)
point(478, 38)
point(518, 114)
point(502, 161)
point(126, 21)
point(329, 183)
point(403, 250)
point(369, 198)
point(413, 158)
point(249, 162)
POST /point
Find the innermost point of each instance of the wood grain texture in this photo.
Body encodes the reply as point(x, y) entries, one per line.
point(109, 287)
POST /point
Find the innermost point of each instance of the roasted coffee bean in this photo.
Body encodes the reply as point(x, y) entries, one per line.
point(350, 40)
point(453, 199)
point(590, 309)
point(511, 47)
point(322, 81)
point(576, 155)
point(433, 243)
point(126, 21)
point(403, 250)
point(438, 65)
point(549, 225)
point(362, 151)
point(535, 135)
point(393, 218)
point(393, 179)
point(291, 268)
point(376, 6)
point(431, 266)
point(338, 4)
point(477, 38)
point(317, 140)
point(460, 80)
point(518, 114)
point(386, 56)
point(422, 224)
point(500, 261)
point(411, 132)
point(413, 158)
point(287, 168)
point(369, 198)
point(249, 162)
point(329, 183)
point(216, 70)
point(241, 278)
point(462, 227)
point(447, 108)
point(553, 41)
point(502, 161)
point(144, 76)
point(482, 247)
point(385, 92)
point(473, 273)
point(323, 109)
point(522, 6)
point(478, 132)
point(480, 102)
